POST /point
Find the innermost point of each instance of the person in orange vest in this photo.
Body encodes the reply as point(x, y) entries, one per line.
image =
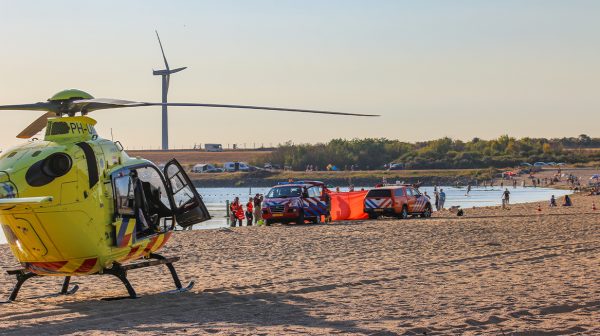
point(237, 212)
point(249, 211)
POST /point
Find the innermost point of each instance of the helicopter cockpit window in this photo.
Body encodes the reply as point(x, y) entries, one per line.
point(182, 193)
point(154, 189)
point(124, 195)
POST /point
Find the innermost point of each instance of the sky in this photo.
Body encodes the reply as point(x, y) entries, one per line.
point(462, 69)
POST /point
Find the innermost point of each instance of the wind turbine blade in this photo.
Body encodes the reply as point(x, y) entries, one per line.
point(162, 51)
point(36, 126)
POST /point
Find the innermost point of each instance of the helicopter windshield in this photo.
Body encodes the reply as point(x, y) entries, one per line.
point(153, 185)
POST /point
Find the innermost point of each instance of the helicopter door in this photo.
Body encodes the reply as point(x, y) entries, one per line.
point(189, 207)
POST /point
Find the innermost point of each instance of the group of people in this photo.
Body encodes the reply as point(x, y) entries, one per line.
point(440, 198)
point(252, 214)
point(567, 201)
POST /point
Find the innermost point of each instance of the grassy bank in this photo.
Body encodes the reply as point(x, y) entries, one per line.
point(345, 178)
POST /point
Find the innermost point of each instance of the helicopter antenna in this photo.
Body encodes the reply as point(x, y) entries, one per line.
point(166, 76)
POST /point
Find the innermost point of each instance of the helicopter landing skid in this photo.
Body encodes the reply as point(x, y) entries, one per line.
point(117, 270)
point(120, 271)
point(23, 275)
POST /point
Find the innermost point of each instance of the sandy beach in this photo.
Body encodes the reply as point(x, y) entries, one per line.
point(498, 272)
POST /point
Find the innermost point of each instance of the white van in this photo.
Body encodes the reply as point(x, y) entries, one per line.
point(236, 166)
point(213, 147)
point(203, 168)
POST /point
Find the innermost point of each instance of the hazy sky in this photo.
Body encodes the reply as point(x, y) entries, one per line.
point(431, 68)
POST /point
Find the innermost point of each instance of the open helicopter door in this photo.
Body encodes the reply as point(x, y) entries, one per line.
point(189, 207)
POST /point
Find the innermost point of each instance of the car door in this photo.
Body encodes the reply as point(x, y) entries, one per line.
point(189, 207)
point(399, 199)
point(410, 199)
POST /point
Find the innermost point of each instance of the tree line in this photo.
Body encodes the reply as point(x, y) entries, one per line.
point(444, 153)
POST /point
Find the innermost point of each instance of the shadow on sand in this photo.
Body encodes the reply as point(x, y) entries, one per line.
point(206, 312)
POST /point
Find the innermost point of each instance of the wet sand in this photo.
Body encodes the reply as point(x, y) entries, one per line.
point(512, 272)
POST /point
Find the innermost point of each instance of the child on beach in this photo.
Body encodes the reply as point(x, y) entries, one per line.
point(552, 201)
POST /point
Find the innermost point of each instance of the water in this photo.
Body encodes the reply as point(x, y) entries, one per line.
point(215, 199)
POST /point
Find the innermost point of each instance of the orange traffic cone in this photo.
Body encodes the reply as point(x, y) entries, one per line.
point(594, 206)
point(539, 207)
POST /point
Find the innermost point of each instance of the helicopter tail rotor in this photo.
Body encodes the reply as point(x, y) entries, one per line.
point(36, 126)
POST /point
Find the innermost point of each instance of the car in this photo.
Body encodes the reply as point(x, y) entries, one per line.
point(236, 166)
point(295, 202)
point(396, 201)
point(396, 166)
point(203, 168)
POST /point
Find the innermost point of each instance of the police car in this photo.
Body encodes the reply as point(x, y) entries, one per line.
point(295, 202)
point(396, 201)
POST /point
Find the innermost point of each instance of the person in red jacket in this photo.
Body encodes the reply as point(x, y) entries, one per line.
point(237, 212)
point(249, 211)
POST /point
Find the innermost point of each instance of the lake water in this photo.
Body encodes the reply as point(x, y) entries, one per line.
point(215, 199)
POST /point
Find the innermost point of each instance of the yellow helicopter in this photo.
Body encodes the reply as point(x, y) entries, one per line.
point(74, 204)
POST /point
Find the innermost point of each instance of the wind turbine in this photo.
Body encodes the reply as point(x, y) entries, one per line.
point(166, 75)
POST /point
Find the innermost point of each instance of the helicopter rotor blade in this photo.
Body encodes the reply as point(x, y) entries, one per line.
point(89, 105)
point(41, 106)
point(36, 126)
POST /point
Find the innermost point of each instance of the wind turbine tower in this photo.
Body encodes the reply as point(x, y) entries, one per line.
point(166, 75)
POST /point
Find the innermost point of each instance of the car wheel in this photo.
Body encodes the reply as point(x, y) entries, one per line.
point(404, 213)
point(268, 222)
point(373, 215)
point(301, 218)
point(427, 212)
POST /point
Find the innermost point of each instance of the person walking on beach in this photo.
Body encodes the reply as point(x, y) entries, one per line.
point(468, 189)
point(436, 194)
point(442, 199)
point(237, 212)
point(249, 211)
point(257, 208)
point(505, 198)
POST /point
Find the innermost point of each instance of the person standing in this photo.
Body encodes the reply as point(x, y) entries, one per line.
point(505, 198)
point(552, 201)
point(437, 198)
point(442, 199)
point(249, 211)
point(327, 199)
point(257, 207)
point(237, 212)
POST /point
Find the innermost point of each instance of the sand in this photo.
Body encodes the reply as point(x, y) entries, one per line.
point(497, 272)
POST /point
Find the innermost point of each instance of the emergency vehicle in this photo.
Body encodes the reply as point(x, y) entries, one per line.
point(295, 202)
point(396, 201)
